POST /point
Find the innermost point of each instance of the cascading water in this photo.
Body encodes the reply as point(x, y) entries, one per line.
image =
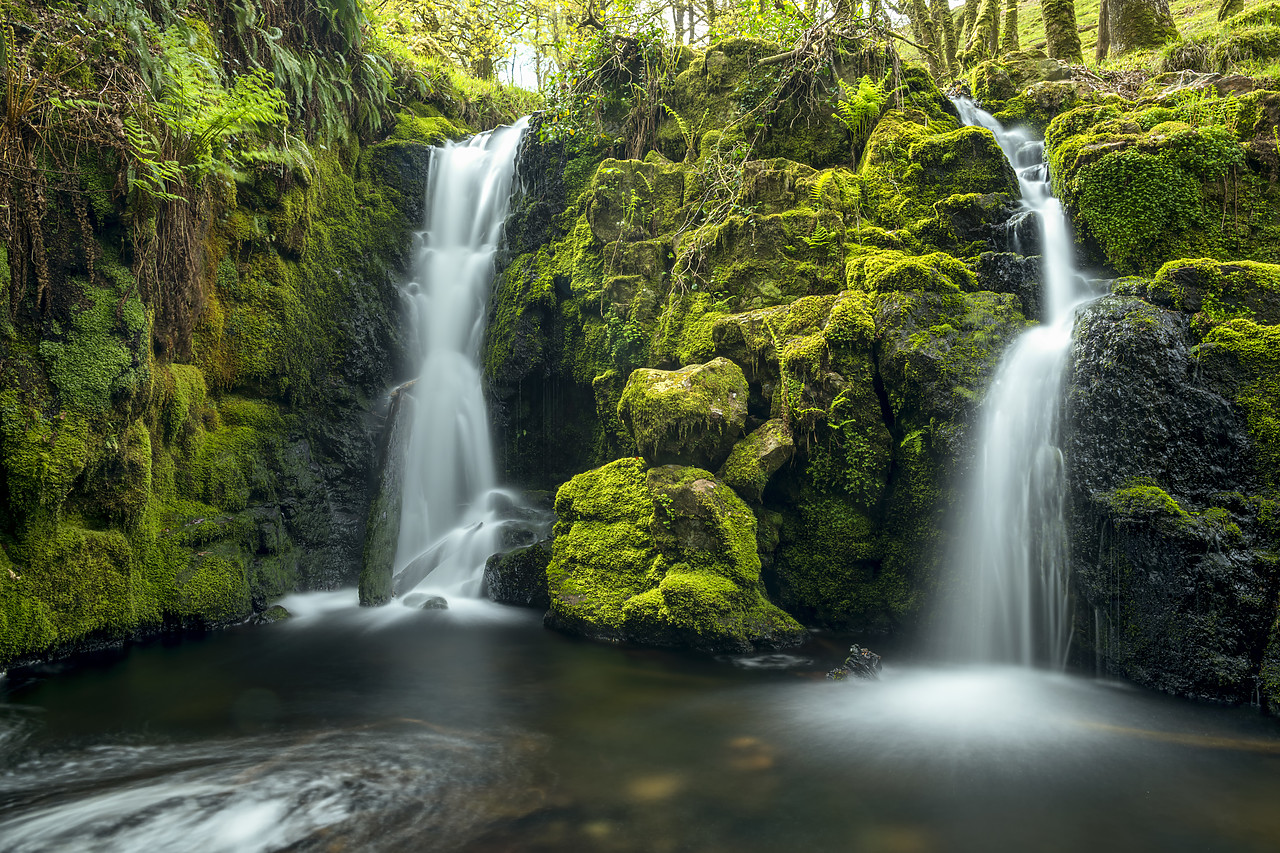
point(452, 515)
point(1013, 605)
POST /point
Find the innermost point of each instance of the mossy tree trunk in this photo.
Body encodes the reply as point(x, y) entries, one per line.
point(1134, 24)
point(1229, 8)
point(945, 26)
point(1061, 37)
point(968, 17)
point(984, 35)
point(1104, 33)
point(926, 35)
point(1009, 43)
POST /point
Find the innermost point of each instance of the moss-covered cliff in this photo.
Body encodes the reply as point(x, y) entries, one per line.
point(191, 365)
point(866, 291)
point(832, 261)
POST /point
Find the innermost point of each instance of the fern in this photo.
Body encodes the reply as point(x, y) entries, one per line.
point(858, 109)
point(689, 133)
point(821, 237)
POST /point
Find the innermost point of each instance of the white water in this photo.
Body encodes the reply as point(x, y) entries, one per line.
point(452, 513)
point(1013, 605)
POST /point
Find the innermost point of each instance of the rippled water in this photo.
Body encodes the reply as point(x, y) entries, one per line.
point(474, 729)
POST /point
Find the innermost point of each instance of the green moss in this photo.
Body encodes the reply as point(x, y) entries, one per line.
point(1142, 498)
point(97, 359)
point(215, 590)
point(694, 414)
point(666, 558)
point(428, 130)
point(829, 570)
point(43, 456)
point(1251, 355)
point(1241, 45)
point(1220, 291)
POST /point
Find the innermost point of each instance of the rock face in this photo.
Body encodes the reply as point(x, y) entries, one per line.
point(519, 577)
point(663, 557)
point(690, 416)
point(1172, 515)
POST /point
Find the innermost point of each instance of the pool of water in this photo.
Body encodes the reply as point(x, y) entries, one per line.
point(474, 729)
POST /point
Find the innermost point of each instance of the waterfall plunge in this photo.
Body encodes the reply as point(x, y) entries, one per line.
point(1013, 604)
point(452, 514)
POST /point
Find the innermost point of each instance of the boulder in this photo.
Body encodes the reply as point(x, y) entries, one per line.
point(690, 416)
point(519, 577)
point(1172, 548)
point(755, 459)
point(661, 557)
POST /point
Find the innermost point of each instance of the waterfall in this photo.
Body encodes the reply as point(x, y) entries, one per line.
point(451, 513)
point(1013, 604)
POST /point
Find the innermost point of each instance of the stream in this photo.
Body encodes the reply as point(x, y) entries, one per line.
point(475, 729)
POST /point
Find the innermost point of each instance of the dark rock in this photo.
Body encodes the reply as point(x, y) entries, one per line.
point(1008, 272)
point(519, 577)
point(425, 601)
point(1173, 573)
point(274, 613)
point(861, 663)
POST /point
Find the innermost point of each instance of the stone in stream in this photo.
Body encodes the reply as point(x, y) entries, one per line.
point(425, 601)
point(519, 577)
point(861, 663)
point(274, 613)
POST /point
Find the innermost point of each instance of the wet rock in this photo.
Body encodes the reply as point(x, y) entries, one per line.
point(519, 577)
point(425, 601)
point(1007, 272)
point(382, 529)
point(274, 613)
point(688, 416)
point(861, 663)
point(1171, 560)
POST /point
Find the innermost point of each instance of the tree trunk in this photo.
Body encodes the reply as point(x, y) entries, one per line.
point(927, 36)
point(945, 26)
point(1104, 33)
point(984, 35)
point(1229, 8)
point(1134, 24)
point(1010, 41)
point(1061, 37)
point(967, 20)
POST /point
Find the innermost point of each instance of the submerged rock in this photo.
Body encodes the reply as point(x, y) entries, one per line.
point(661, 557)
point(519, 577)
point(425, 601)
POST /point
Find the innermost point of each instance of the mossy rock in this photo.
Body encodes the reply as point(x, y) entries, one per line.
point(755, 459)
point(665, 557)
point(692, 415)
point(1219, 289)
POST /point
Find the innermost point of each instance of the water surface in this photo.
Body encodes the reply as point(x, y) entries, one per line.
point(474, 729)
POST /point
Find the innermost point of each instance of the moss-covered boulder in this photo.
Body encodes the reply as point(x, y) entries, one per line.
point(755, 459)
point(996, 81)
point(663, 557)
point(1191, 173)
point(1170, 423)
point(1218, 288)
point(692, 415)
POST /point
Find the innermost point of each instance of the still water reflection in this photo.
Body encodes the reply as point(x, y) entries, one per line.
point(474, 729)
